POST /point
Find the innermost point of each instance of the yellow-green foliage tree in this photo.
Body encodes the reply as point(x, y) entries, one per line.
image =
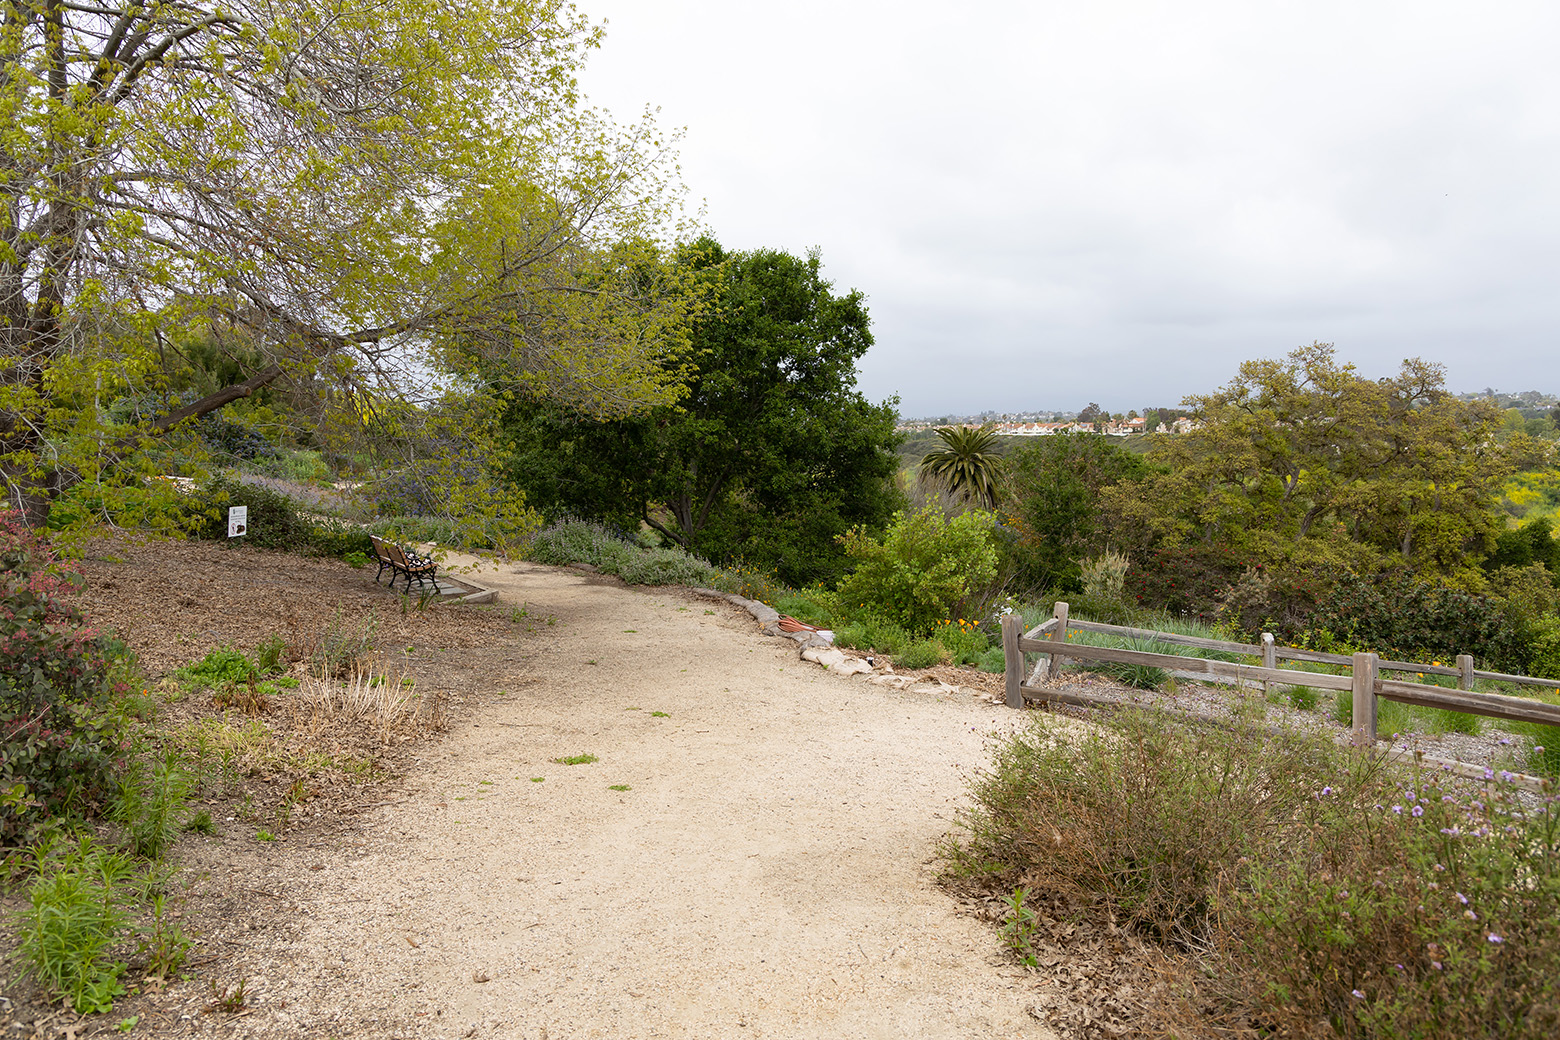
point(345, 184)
point(1302, 462)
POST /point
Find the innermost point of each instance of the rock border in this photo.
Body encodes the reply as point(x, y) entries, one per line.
point(823, 652)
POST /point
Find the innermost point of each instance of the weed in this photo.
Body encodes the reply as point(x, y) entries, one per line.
point(151, 802)
point(537, 779)
point(76, 914)
point(231, 1000)
point(201, 823)
point(617, 787)
point(577, 760)
point(270, 654)
point(923, 653)
point(164, 946)
point(221, 667)
point(356, 560)
point(660, 715)
point(1019, 928)
point(125, 1025)
point(264, 835)
point(246, 697)
point(1249, 709)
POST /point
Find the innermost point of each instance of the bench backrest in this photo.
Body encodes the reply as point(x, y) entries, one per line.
point(384, 550)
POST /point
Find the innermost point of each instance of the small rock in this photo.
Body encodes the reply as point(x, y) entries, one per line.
point(850, 666)
point(827, 656)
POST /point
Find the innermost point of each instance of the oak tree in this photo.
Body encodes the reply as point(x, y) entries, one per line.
point(1303, 459)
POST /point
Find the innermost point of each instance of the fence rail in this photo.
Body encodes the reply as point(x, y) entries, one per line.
point(1049, 641)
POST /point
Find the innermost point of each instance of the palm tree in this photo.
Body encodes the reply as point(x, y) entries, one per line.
point(969, 466)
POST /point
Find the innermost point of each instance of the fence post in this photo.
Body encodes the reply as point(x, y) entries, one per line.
point(1365, 700)
point(1013, 659)
point(1058, 634)
point(1465, 666)
point(1269, 656)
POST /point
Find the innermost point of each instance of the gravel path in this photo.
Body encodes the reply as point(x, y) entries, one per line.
point(769, 872)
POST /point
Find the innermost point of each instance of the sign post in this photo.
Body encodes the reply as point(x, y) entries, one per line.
point(238, 521)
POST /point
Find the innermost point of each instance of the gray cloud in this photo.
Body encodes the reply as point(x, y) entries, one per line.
point(1049, 203)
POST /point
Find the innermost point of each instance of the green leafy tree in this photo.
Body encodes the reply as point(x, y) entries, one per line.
point(342, 185)
point(1055, 489)
point(1302, 462)
point(772, 454)
point(968, 465)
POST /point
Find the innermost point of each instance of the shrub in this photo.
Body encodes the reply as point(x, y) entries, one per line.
point(926, 567)
point(869, 633)
point(1104, 576)
point(331, 537)
point(1322, 891)
point(962, 639)
point(1186, 580)
point(1411, 908)
point(922, 653)
point(1144, 820)
point(666, 567)
point(578, 541)
point(224, 435)
point(1398, 615)
point(812, 606)
point(274, 521)
point(612, 552)
point(57, 751)
point(1542, 636)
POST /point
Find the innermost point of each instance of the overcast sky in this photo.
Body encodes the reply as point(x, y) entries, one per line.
point(1050, 203)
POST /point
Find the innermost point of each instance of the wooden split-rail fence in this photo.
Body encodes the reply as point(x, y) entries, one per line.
point(1367, 681)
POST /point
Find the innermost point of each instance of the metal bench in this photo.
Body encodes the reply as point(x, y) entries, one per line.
point(403, 563)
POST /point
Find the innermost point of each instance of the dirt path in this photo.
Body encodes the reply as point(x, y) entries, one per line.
point(767, 874)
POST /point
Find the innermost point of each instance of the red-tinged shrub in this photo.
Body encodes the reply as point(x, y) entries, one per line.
point(57, 751)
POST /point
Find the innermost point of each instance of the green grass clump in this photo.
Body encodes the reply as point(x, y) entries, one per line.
point(810, 606)
point(993, 660)
point(874, 634)
point(922, 653)
point(577, 760)
point(1304, 698)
